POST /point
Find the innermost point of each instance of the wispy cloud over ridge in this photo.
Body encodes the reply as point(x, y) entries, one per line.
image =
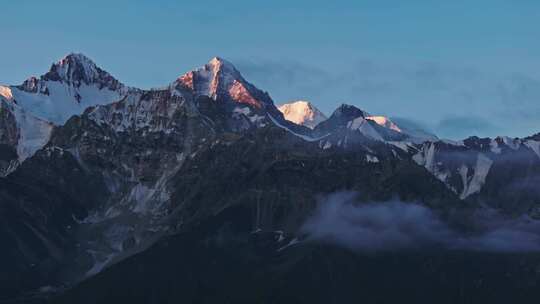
point(397, 225)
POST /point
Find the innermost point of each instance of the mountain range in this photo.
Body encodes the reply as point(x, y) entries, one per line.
point(199, 191)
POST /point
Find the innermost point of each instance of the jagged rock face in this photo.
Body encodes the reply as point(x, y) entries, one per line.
point(161, 173)
point(9, 135)
point(134, 166)
point(350, 128)
point(266, 178)
point(75, 83)
point(72, 84)
point(341, 117)
point(239, 203)
point(252, 267)
point(8, 125)
point(496, 172)
point(220, 81)
point(128, 150)
point(77, 69)
point(499, 172)
point(347, 118)
point(40, 201)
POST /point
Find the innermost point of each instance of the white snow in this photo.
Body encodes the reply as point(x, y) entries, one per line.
point(363, 126)
point(281, 238)
point(533, 145)
point(57, 100)
point(302, 113)
point(291, 243)
point(372, 158)
point(138, 113)
point(304, 137)
point(426, 158)
point(494, 146)
point(384, 121)
point(34, 133)
point(471, 184)
point(5, 91)
point(65, 71)
point(513, 143)
point(254, 118)
point(100, 262)
point(403, 145)
point(463, 173)
point(62, 101)
point(206, 80)
point(245, 110)
point(474, 185)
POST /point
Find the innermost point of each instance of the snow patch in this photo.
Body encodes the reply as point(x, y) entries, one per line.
point(513, 143)
point(34, 133)
point(494, 146)
point(403, 145)
point(426, 158)
point(372, 158)
point(362, 125)
point(533, 145)
point(304, 137)
point(384, 121)
point(474, 184)
point(63, 100)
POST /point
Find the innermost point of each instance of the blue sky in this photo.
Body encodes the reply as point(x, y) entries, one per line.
point(456, 67)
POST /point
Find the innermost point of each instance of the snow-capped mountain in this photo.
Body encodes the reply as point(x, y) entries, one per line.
point(347, 121)
point(347, 118)
point(302, 113)
point(466, 167)
point(220, 81)
point(140, 142)
point(70, 86)
point(133, 167)
point(384, 121)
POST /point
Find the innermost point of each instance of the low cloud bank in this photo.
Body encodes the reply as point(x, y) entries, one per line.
point(402, 226)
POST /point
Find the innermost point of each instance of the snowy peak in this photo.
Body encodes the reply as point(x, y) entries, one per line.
point(347, 112)
point(74, 70)
point(348, 118)
point(219, 79)
point(77, 69)
point(220, 65)
point(302, 113)
point(207, 79)
point(246, 105)
point(70, 86)
point(384, 121)
point(345, 119)
point(5, 92)
point(342, 116)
